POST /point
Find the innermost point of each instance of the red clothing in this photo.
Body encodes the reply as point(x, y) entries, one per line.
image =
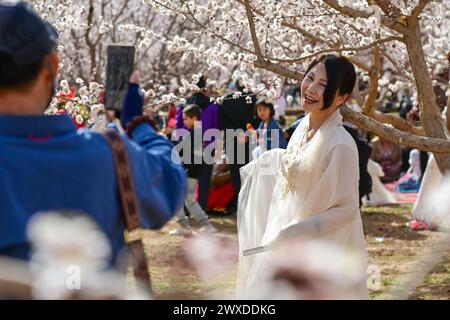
point(61, 111)
point(220, 197)
point(172, 120)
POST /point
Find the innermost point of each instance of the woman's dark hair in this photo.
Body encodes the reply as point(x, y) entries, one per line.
point(341, 77)
point(266, 105)
point(192, 111)
point(13, 76)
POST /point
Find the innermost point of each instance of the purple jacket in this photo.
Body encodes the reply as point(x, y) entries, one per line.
point(210, 119)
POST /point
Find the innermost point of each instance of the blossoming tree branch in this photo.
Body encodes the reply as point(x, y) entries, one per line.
point(378, 36)
point(396, 45)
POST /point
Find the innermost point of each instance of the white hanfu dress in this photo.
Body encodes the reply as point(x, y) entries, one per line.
point(315, 187)
point(423, 210)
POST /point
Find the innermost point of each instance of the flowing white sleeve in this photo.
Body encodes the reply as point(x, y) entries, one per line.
point(338, 186)
point(258, 181)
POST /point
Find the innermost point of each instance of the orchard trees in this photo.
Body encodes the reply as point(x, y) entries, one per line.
point(397, 46)
point(394, 44)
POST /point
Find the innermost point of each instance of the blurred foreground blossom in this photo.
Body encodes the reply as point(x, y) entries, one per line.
point(68, 239)
point(313, 270)
point(71, 259)
point(212, 255)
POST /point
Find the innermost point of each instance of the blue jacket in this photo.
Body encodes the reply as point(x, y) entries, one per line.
point(46, 164)
point(273, 125)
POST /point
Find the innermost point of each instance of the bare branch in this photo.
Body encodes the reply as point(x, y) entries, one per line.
point(349, 12)
point(394, 22)
point(340, 50)
point(396, 122)
point(419, 8)
point(313, 38)
point(374, 74)
point(388, 8)
point(279, 69)
point(422, 143)
point(251, 24)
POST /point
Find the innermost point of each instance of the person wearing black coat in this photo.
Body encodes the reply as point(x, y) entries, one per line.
point(364, 152)
point(237, 114)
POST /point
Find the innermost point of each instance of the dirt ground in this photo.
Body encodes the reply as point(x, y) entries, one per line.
point(391, 245)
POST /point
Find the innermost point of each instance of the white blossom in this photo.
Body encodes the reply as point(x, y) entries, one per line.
point(79, 119)
point(94, 86)
point(64, 84)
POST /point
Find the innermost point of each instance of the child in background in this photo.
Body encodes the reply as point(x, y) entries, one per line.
point(194, 167)
point(267, 130)
point(222, 191)
point(113, 118)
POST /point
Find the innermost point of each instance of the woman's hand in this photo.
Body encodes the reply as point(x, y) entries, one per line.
point(293, 232)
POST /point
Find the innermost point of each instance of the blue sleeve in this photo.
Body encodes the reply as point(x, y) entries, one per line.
point(274, 125)
point(283, 143)
point(132, 105)
point(111, 126)
point(161, 184)
point(282, 140)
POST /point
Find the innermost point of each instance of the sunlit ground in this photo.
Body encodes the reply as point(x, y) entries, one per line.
point(391, 245)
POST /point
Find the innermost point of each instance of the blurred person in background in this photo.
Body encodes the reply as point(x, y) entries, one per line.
point(268, 129)
point(388, 155)
point(237, 114)
point(209, 120)
point(194, 164)
point(113, 118)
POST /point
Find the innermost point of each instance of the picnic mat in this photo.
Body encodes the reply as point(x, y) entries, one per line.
point(402, 198)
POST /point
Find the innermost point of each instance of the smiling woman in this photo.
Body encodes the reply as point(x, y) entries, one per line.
point(307, 192)
point(327, 84)
point(315, 84)
point(327, 79)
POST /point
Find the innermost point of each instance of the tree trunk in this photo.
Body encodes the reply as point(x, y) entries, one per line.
point(430, 115)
